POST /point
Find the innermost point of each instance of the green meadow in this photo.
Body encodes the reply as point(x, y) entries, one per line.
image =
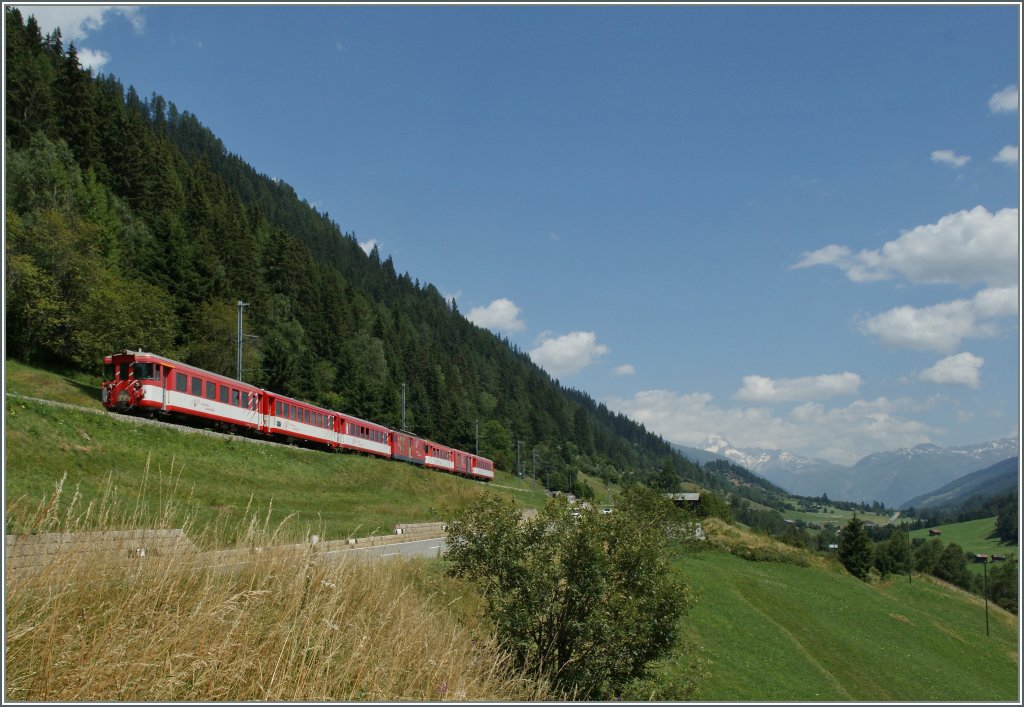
point(975, 537)
point(779, 632)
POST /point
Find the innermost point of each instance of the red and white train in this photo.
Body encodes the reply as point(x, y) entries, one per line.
point(144, 383)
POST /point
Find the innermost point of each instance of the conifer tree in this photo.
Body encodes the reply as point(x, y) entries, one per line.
point(855, 550)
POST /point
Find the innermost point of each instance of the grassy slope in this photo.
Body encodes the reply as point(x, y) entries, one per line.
point(831, 514)
point(974, 537)
point(777, 631)
point(338, 495)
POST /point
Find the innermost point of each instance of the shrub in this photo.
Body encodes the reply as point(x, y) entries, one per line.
point(583, 599)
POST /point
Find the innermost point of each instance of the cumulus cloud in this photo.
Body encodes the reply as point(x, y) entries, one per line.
point(625, 369)
point(77, 22)
point(949, 157)
point(501, 315)
point(759, 389)
point(1004, 101)
point(943, 326)
point(367, 246)
point(839, 434)
point(960, 369)
point(90, 59)
point(1007, 155)
point(962, 248)
point(567, 354)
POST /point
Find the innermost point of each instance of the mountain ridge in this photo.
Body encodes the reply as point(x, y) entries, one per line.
point(891, 477)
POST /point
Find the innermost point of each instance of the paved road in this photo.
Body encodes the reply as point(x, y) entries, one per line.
point(432, 547)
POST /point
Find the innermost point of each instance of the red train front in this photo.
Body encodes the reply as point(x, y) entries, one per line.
point(133, 382)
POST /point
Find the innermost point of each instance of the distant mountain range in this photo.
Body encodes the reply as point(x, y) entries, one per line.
point(892, 478)
point(990, 481)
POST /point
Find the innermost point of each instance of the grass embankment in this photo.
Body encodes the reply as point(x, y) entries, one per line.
point(282, 628)
point(780, 631)
point(336, 495)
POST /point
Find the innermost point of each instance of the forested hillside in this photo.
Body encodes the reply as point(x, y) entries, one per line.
point(129, 225)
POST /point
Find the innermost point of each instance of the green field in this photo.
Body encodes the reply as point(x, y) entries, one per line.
point(835, 515)
point(775, 631)
point(975, 537)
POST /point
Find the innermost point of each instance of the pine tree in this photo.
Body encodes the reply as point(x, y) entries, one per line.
point(855, 549)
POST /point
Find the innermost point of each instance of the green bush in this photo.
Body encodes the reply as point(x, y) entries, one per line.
point(584, 599)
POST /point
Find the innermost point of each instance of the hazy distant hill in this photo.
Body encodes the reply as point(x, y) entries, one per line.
point(991, 481)
point(890, 477)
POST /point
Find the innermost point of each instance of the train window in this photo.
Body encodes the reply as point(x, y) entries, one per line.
point(234, 397)
point(197, 387)
point(143, 371)
point(157, 376)
point(223, 393)
point(277, 408)
point(245, 399)
point(284, 410)
point(108, 372)
point(180, 382)
point(211, 391)
point(124, 371)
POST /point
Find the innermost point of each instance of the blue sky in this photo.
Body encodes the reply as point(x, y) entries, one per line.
point(793, 227)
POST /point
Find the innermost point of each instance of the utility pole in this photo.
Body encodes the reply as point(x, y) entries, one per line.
point(478, 437)
point(403, 407)
point(985, 592)
point(241, 305)
point(910, 559)
point(519, 466)
point(534, 480)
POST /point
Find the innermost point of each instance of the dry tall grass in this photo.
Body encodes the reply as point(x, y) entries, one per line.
point(290, 627)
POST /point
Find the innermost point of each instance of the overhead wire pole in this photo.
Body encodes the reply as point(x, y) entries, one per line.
point(238, 361)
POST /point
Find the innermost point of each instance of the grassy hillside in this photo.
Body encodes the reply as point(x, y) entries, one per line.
point(778, 631)
point(216, 477)
point(974, 536)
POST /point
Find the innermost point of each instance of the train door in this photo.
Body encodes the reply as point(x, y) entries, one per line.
point(164, 385)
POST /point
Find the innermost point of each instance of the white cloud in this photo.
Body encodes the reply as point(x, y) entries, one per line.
point(759, 389)
point(501, 314)
point(1007, 155)
point(1004, 101)
point(963, 248)
point(960, 369)
point(625, 369)
point(93, 60)
point(829, 255)
point(950, 158)
point(840, 434)
point(567, 354)
point(367, 246)
point(77, 22)
point(943, 326)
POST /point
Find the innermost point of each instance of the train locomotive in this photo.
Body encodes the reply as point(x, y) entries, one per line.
point(140, 383)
